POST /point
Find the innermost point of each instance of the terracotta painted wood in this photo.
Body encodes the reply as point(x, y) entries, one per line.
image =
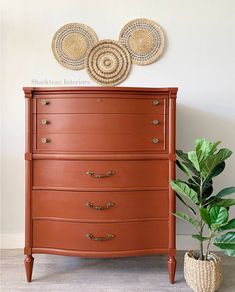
point(171, 268)
point(98, 90)
point(62, 173)
point(121, 132)
point(105, 156)
point(100, 129)
point(101, 254)
point(28, 262)
point(84, 206)
point(95, 142)
point(101, 105)
point(73, 236)
point(99, 123)
point(172, 202)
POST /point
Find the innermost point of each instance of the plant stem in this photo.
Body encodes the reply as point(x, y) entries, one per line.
point(207, 248)
point(201, 222)
point(201, 243)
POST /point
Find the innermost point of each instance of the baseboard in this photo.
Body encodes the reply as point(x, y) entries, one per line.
point(12, 240)
point(16, 240)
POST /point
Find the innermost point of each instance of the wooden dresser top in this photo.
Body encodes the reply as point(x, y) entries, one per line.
point(135, 90)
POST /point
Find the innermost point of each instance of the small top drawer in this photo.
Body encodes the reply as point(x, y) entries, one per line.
point(100, 132)
point(101, 105)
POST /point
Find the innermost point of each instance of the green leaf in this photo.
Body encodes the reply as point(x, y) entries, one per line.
point(187, 205)
point(183, 168)
point(225, 192)
point(229, 225)
point(226, 203)
point(182, 155)
point(199, 237)
point(209, 201)
point(229, 252)
point(216, 171)
point(218, 216)
point(226, 241)
point(182, 188)
point(191, 167)
point(186, 161)
point(192, 156)
point(205, 148)
point(207, 190)
point(186, 218)
point(209, 164)
point(214, 147)
point(193, 185)
point(205, 216)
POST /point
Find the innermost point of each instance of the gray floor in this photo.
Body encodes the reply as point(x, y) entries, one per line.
point(134, 274)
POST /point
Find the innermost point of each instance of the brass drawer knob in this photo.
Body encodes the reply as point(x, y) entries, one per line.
point(155, 140)
point(98, 208)
point(105, 175)
point(45, 102)
point(109, 236)
point(45, 122)
point(155, 122)
point(45, 140)
point(156, 102)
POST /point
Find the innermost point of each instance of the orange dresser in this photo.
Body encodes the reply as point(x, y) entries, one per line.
point(98, 165)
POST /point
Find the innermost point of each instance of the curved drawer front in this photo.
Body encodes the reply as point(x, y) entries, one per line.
point(156, 104)
point(100, 236)
point(98, 206)
point(99, 123)
point(100, 142)
point(100, 174)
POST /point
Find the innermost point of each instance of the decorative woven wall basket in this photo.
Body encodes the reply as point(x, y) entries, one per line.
point(144, 39)
point(71, 43)
point(108, 62)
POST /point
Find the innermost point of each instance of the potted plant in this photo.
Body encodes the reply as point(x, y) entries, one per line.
point(209, 213)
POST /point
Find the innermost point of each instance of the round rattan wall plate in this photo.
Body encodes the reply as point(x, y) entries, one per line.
point(71, 43)
point(144, 39)
point(108, 62)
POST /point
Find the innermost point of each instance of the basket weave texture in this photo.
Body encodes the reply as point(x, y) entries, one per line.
point(71, 43)
point(108, 62)
point(202, 276)
point(144, 39)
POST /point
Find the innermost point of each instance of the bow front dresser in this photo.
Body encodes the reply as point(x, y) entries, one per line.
point(98, 165)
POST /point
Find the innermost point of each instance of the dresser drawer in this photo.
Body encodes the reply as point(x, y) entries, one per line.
point(113, 174)
point(99, 123)
point(101, 105)
point(81, 236)
point(100, 142)
point(100, 205)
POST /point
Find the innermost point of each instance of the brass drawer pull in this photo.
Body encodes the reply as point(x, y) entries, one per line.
point(155, 140)
point(156, 102)
point(45, 140)
point(109, 236)
point(155, 122)
point(45, 122)
point(108, 174)
point(98, 208)
point(45, 102)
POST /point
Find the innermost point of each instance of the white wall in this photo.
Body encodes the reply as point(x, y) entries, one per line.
point(199, 59)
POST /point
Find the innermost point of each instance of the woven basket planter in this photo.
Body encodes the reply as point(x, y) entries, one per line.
point(202, 276)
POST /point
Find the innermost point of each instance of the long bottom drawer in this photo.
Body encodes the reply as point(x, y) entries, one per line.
point(100, 236)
